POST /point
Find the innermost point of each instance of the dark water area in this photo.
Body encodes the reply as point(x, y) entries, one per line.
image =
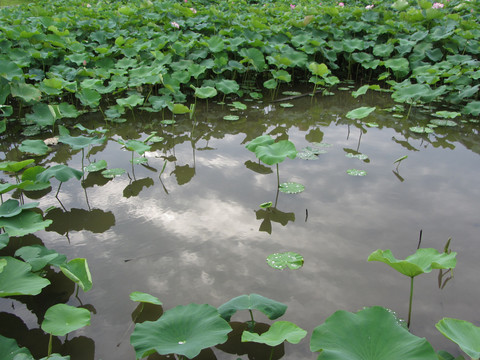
point(195, 233)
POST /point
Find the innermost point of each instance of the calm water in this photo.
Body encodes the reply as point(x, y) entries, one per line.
point(196, 233)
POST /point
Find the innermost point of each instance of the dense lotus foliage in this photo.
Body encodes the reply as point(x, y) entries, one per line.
point(113, 56)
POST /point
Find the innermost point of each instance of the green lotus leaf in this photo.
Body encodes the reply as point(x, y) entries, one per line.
point(30, 176)
point(271, 308)
point(36, 147)
point(291, 188)
point(286, 105)
point(134, 145)
point(4, 238)
point(444, 355)
point(11, 207)
point(27, 222)
point(80, 142)
point(356, 172)
point(279, 332)
point(370, 334)
point(318, 69)
point(26, 92)
point(139, 160)
point(205, 92)
point(463, 333)
point(288, 259)
point(96, 166)
point(423, 261)
point(11, 351)
point(89, 97)
point(168, 122)
point(77, 270)
point(131, 101)
point(14, 166)
point(111, 173)
point(17, 279)
point(227, 86)
point(215, 44)
point(183, 330)
point(400, 66)
point(443, 122)
point(270, 84)
point(10, 71)
point(39, 256)
point(264, 205)
point(411, 92)
point(144, 298)
point(238, 105)
point(253, 56)
point(360, 113)
point(421, 130)
point(52, 357)
point(472, 108)
point(261, 140)
point(60, 172)
point(383, 50)
point(447, 114)
point(276, 153)
point(61, 319)
point(180, 109)
point(282, 75)
point(231, 117)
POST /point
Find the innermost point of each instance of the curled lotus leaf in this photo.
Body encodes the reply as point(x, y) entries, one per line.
point(463, 333)
point(276, 153)
point(271, 308)
point(259, 141)
point(279, 332)
point(360, 113)
point(144, 298)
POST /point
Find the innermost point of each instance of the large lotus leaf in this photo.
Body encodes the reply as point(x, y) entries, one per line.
point(288, 259)
point(411, 92)
point(39, 256)
point(259, 141)
point(131, 101)
point(43, 115)
point(89, 97)
point(12, 207)
point(61, 319)
point(215, 44)
point(4, 238)
point(144, 298)
point(27, 222)
point(6, 187)
point(77, 270)
point(14, 166)
point(27, 92)
point(400, 66)
point(111, 173)
point(463, 333)
point(277, 152)
point(17, 279)
point(205, 92)
point(80, 142)
point(370, 334)
point(360, 113)
point(227, 86)
point(271, 308)
point(36, 147)
point(96, 166)
point(180, 109)
point(134, 145)
point(11, 351)
point(279, 332)
point(183, 330)
point(423, 261)
point(254, 57)
point(318, 69)
point(472, 108)
point(29, 176)
point(60, 172)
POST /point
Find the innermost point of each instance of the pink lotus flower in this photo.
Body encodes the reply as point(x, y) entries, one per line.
point(175, 24)
point(369, 7)
point(292, 6)
point(341, 4)
point(84, 62)
point(193, 10)
point(437, 5)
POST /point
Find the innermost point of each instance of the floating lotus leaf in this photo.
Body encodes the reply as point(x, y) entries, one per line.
point(286, 105)
point(11, 351)
point(144, 298)
point(183, 330)
point(291, 93)
point(27, 222)
point(279, 332)
point(62, 319)
point(231, 117)
point(12, 207)
point(288, 259)
point(356, 172)
point(447, 114)
point(261, 140)
point(276, 153)
point(36, 147)
point(421, 130)
point(370, 334)
point(238, 105)
point(463, 333)
point(360, 113)
point(96, 166)
point(77, 270)
point(80, 142)
point(139, 160)
point(357, 156)
point(168, 122)
point(443, 122)
point(291, 188)
point(111, 173)
point(39, 256)
point(17, 278)
point(423, 261)
point(271, 308)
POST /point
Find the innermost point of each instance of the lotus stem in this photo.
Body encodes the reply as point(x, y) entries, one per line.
point(410, 302)
point(271, 354)
point(278, 178)
point(49, 352)
point(251, 317)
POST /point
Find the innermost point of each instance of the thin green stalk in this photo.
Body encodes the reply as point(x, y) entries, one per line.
point(410, 302)
point(50, 346)
point(271, 354)
point(251, 317)
point(278, 178)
